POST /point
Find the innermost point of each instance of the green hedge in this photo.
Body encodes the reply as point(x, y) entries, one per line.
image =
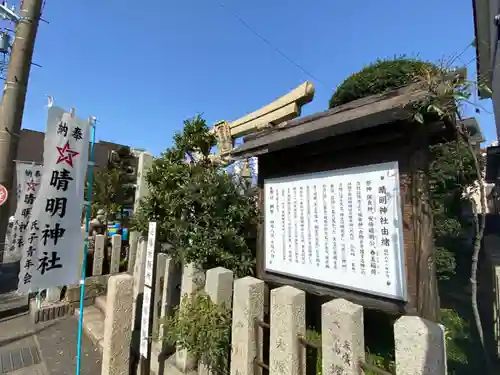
point(376, 78)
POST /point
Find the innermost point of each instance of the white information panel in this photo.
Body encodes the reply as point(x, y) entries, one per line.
point(150, 254)
point(342, 228)
point(148, 284)
point(146, 310)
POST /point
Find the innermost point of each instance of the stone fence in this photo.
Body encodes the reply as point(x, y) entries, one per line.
point(109, 251)
point(104, 258)
point(419, 344)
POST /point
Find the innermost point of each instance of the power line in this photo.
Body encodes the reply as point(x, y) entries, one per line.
point(459, 55)
point(279, 51)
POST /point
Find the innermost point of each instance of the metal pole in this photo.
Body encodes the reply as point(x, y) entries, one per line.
point(85, 250)
point(14, 95)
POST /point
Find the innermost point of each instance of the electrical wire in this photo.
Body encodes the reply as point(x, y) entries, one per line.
point(459, 55)
point(275, 48)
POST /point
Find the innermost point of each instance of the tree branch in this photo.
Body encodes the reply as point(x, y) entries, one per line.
point(479, 223)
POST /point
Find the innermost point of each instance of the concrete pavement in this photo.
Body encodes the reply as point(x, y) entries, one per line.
point(10, 302)
point(19, 350)
point(47, 348)
point(57, 341)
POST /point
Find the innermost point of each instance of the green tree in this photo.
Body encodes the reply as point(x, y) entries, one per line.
point(123, 162)
point(203, 212)
point(452, 175)
point(113, 186)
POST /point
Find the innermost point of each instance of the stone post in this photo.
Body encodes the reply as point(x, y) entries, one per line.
point(169, 300)
point(132, 251)
point(171, 290)
point(491, 247)
point(219, 287)
point(53, 294)
point(193, 280)
point(117, 329)
point(139, 271)
point(246, 336)
point(100, 241)
point(161, 261)
point(144, 162)
point(420, 347)
point(496, 309)
point(288, 321)
point(116, 249)
point(343, 337)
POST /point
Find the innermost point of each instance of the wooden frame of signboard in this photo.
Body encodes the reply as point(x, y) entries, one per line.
point(376, 129)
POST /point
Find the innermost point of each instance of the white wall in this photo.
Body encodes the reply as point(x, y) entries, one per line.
point(476, 198)
point(494, 9)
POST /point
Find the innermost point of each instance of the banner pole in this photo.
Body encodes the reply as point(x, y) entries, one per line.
point(85, 247)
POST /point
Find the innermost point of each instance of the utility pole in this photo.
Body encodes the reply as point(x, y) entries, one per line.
point(14, 96)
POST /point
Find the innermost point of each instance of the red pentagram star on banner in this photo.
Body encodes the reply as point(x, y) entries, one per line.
point(66, 155)
point(31, 186)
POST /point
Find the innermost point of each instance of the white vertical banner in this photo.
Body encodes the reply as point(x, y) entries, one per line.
point(148, 295)
point(254, 168)
point(13, 227)
point(28, 183)
point(54, 238)
point(20, 179)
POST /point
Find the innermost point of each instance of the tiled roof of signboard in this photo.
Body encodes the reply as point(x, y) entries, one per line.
point(360, 114)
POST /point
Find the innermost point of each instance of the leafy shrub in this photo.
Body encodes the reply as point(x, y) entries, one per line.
point(205, 214)
point(112, 186)
point(204, 329)
point(315, 337)
point(451, 174)
point(379, 77)
point(456, 334)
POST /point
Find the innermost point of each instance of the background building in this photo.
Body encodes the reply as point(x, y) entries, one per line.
point(486, 26)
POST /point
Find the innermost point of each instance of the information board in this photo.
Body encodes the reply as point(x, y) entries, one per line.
point(341, 228)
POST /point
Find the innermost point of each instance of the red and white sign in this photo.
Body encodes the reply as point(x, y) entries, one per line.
point(4, 194)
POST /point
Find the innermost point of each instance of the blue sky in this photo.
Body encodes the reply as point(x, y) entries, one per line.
point(142, 67)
